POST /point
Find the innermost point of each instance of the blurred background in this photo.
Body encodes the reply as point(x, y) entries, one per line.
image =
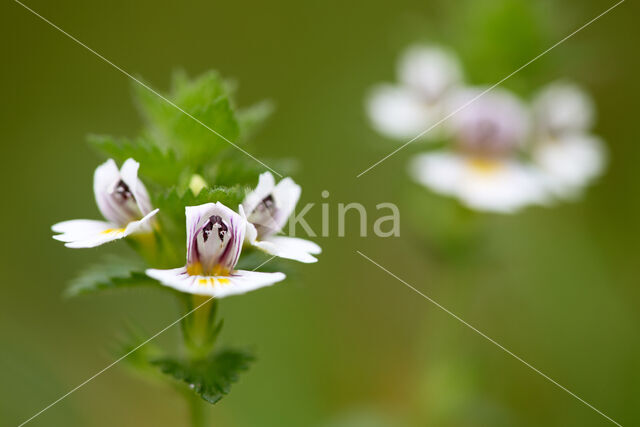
point(340, 343)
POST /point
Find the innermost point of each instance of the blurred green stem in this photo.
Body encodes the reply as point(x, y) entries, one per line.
point(197, 410)
point(199, 330)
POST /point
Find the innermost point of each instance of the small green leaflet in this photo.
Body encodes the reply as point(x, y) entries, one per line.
point(113, 272)
point(205, 99)
point(212, 377)
point(159, 166)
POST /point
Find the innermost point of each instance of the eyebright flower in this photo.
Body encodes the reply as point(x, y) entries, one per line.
point(268, 208)
point(123, 201)
point(215, 235)
point(483, 171)
point(428, 75)
point(567, 154)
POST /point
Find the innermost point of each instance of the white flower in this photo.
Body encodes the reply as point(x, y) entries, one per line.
point(123, 201)
point(563, 108)
point(215, 235)
point(569, 157)
point(268, 208)
point(483, 171)
point(427, 76)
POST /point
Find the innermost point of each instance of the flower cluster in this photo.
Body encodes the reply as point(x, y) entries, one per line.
point(215, 233)
point(499, 153)
point(234, 218)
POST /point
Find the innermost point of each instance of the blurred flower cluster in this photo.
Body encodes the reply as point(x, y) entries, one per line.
point(189, 171)
point(488, 148)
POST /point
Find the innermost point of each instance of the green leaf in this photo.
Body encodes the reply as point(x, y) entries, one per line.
point(211, 378)
point(250, 119)
point(157, 165)
point(113, 273)
point(134, 343)
point(202, 133)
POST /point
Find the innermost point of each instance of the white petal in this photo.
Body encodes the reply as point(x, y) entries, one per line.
point(400, 113)
point(507, 190)
point(563, 108)
point(238, 282)
point(77, 228)
point(141, 226)
point(504, 186)
point(440, 171)
point(285, 195)
point(85, 233)
point(265, 186)
point(103, 178)
point(290, 248)
point(570, 163)
point(129, 174)
point(251, 234)
point(430, 70)
point(194, 215)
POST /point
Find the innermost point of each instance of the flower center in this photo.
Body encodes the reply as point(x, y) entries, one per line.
point(484, 165)
point(216, 222)
point(264, 217)
point(122, 192)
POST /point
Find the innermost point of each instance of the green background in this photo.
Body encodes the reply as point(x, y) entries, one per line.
point(340, 343)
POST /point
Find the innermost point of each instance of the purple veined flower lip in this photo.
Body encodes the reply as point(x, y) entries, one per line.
point(215, 235)
point(492, 125)
point(267, 209)
point(269, 206)
point(266, 217)
point(123, 201)
point(120, 195)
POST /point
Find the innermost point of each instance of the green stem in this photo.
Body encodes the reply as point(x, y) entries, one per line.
point(199, 334)
point(197, 410)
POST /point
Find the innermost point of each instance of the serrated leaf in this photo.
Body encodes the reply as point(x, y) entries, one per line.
point(113, 273)
point(158, 165)
point(211, 378)
point(204, 99)
point(138, 352)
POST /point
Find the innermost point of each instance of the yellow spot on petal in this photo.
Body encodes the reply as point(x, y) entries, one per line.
point(224, 281)
point(195, 269)
point(484, 165)
point(113, 230)
point(219, 270)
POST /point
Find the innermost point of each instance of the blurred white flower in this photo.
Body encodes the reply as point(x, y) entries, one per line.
point(482, 170)
point(122, 199)
point(567, 154)
point(268, 208)
point(427, 76)
point(215, 235)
